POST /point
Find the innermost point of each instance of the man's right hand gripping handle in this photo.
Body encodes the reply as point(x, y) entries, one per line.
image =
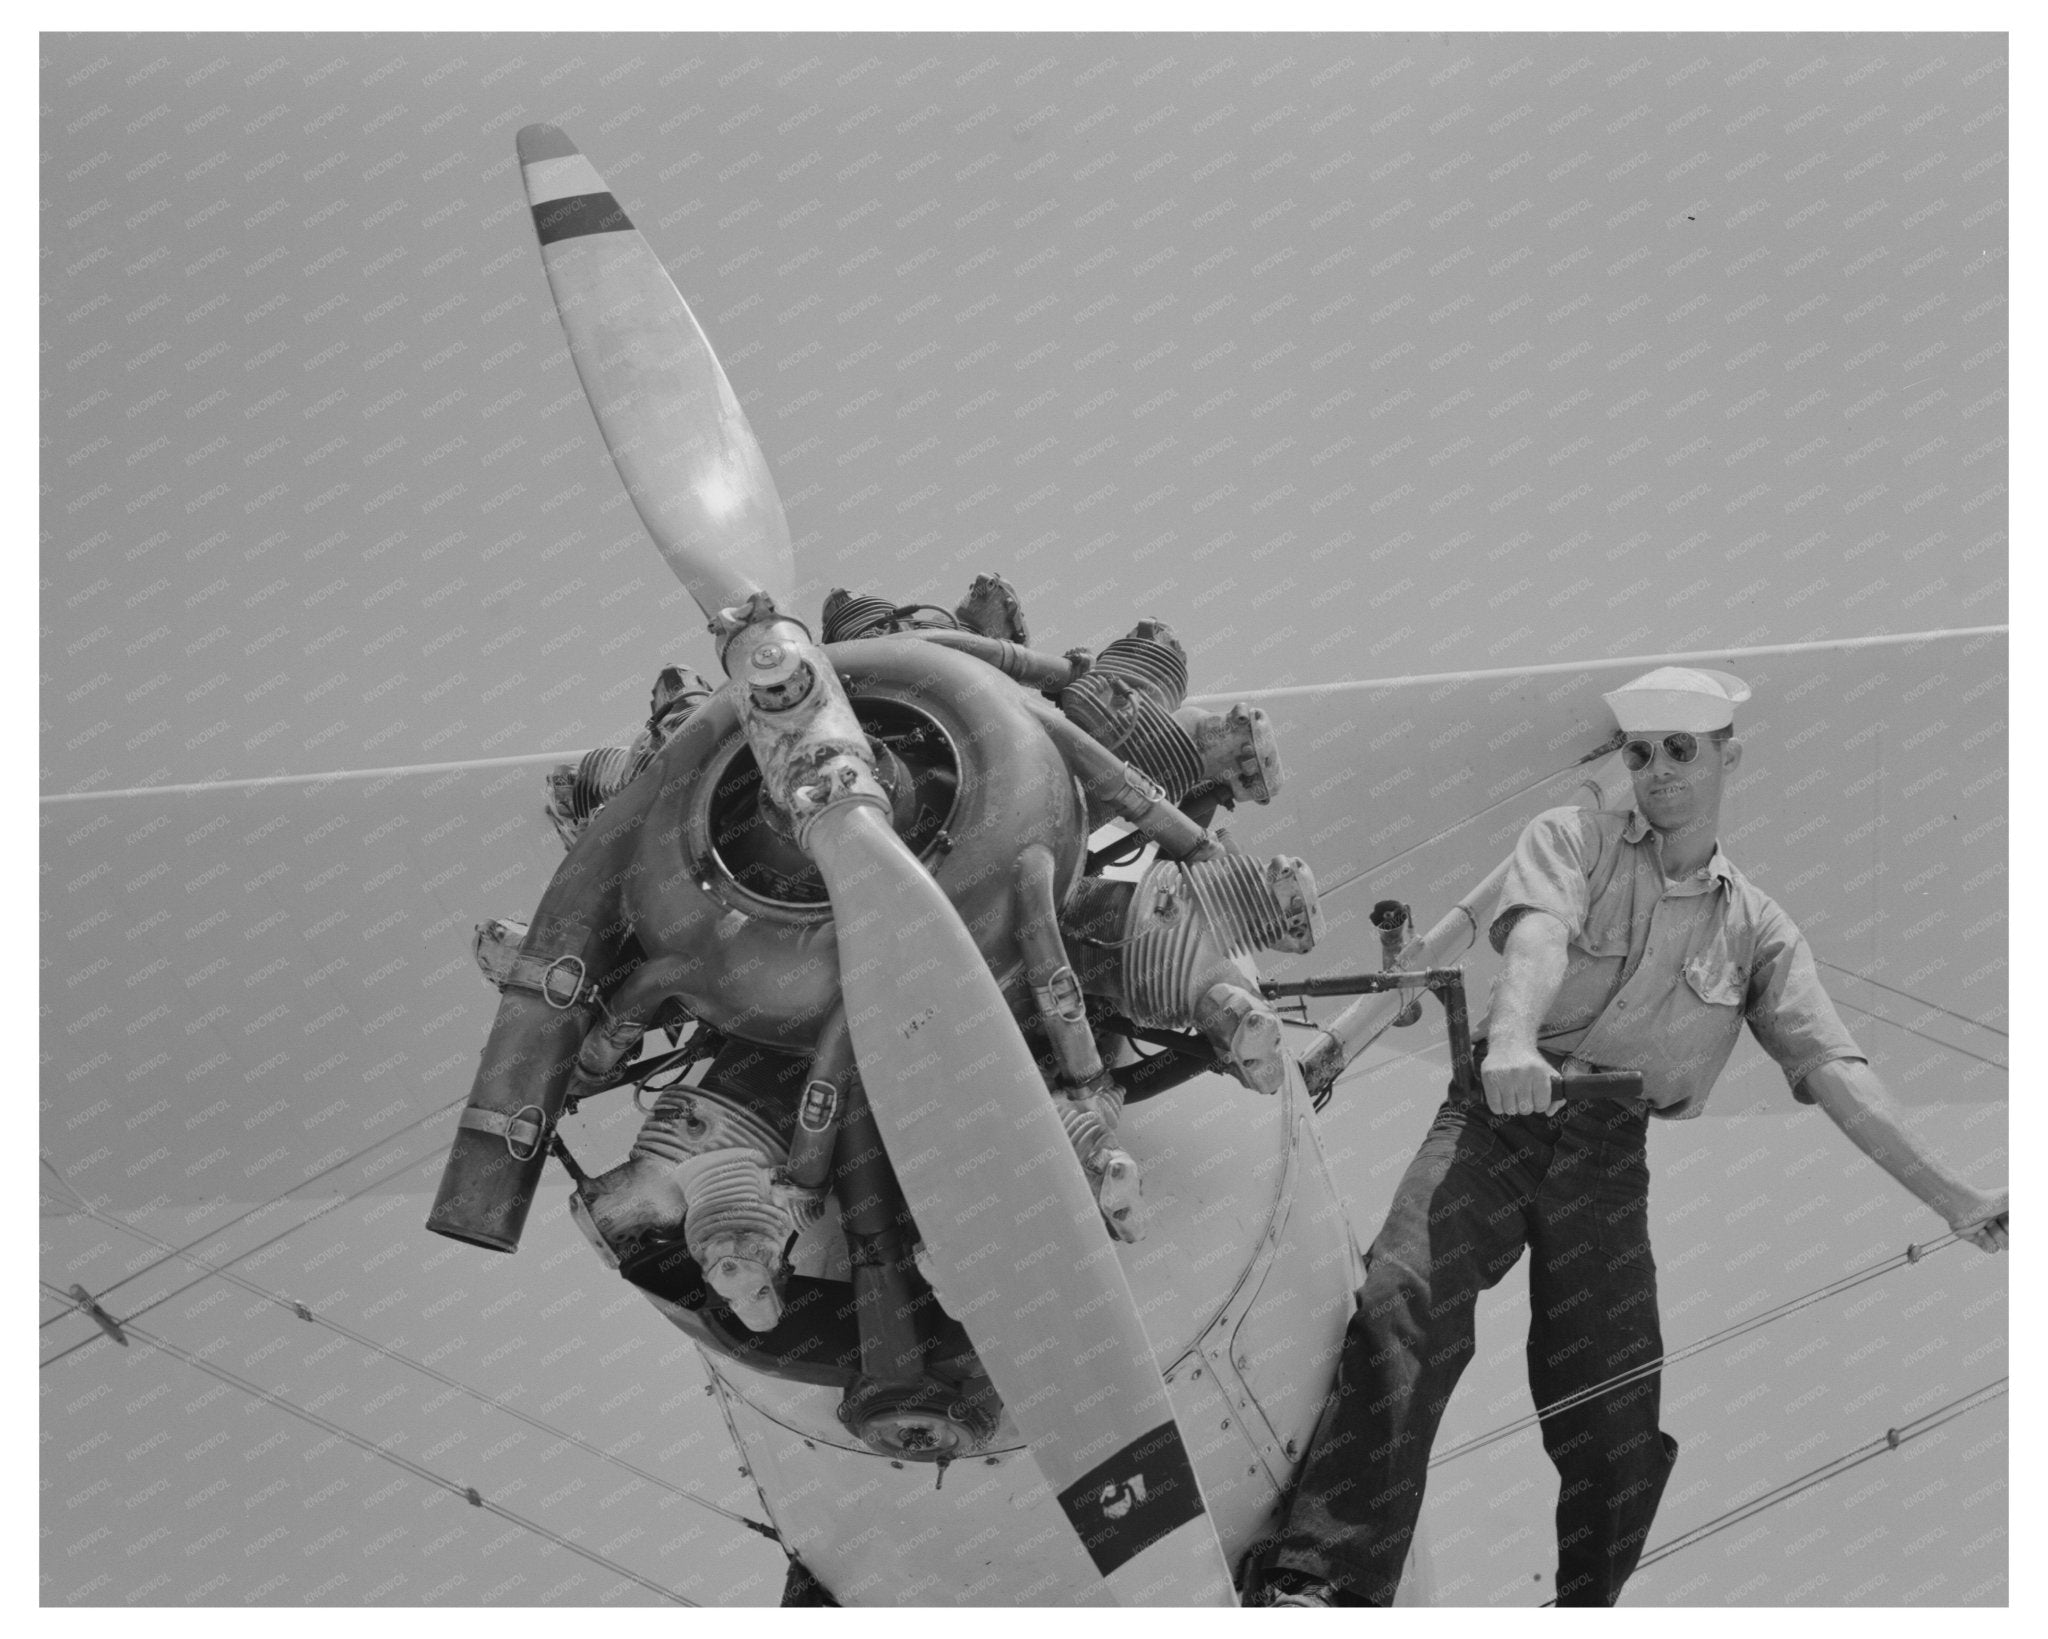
point(1518, 1082)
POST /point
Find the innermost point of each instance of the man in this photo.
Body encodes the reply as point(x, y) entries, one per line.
point(1631, 943)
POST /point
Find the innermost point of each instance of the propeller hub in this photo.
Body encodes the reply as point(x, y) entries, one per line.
point(810, 747)
point(919, 1420)
point(777, 677)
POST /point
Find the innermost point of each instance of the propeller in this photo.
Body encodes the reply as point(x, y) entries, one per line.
point(675, 431)
point(1016, 1243)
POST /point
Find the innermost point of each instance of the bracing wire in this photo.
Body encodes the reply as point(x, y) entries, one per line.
point(311, 1218)
point(1897, 1024)
point(468, 1493)
point(1918, 1001)
point(1855, 1278)
point(1890, 1440)
point(439, 1376)
point(70, 1188)
point(263, 1206)
point(257, 1210)
point(1377, 865)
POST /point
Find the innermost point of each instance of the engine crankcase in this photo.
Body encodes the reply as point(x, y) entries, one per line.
point(721, 884)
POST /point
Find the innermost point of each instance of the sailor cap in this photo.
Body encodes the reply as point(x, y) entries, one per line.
point(1677, 697)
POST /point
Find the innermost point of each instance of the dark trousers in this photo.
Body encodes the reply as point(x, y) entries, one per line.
point(1574, 1189)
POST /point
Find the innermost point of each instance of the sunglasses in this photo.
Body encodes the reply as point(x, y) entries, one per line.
point(1681, 747)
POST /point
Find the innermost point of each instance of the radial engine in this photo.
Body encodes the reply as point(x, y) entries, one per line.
point(685, 948)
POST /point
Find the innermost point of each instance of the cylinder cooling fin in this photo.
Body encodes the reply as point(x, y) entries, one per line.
point(1131, 700)
point(576, 791)
point(1125, 701)
point(1258, 904)
point(990, 609)
point(849, 615)
point(1131, 723)
point(581, 788)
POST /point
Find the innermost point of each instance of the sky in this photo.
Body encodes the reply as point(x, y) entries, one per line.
point(1351, 357)
point(1046, 318)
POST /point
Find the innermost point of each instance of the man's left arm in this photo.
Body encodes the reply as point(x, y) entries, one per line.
point(1795, 1021)
point(1856, 1101)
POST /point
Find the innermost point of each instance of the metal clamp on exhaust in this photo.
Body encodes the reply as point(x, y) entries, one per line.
point(562, 982)
point(497, 950)
point(549, 982)
point(525, 1130)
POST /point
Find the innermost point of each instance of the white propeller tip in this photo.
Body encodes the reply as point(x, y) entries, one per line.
point(539, 142)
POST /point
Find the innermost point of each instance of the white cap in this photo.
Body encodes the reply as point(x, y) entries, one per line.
point(1677, 697)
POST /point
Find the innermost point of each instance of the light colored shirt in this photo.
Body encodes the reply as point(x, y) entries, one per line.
point(1660, 976)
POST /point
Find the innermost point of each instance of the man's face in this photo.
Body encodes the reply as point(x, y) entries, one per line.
point(1680, 799)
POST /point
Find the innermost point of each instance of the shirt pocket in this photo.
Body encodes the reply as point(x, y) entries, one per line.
point(1716, 977)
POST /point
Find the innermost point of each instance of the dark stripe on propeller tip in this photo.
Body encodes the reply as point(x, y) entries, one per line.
point(579, 214)
point(1123, 1505)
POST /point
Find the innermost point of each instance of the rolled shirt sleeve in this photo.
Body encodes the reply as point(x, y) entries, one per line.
point(1788, 1009)
point(1550, 871)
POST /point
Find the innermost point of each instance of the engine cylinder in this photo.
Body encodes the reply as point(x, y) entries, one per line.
point(1125, 701)
point(582, 788)
point(852, 615)
point(1258, 904)
point(1149, 657)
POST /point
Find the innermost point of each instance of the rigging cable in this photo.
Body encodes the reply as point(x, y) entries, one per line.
point(260, 1208)
point(434, 1372)
point(468, 1493)
point(1907, 995)
point(275, 1200)
point(1890, 1440)
point(1856, 1277)
point(1949, 1046)
point(335, 1205)
point(1365, 871)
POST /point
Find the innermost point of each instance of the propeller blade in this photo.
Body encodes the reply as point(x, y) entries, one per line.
point(1017, 1246)
point(676, 432)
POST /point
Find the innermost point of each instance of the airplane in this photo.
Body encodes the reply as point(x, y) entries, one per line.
point(1243, 1240)
point(1007, 1264)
